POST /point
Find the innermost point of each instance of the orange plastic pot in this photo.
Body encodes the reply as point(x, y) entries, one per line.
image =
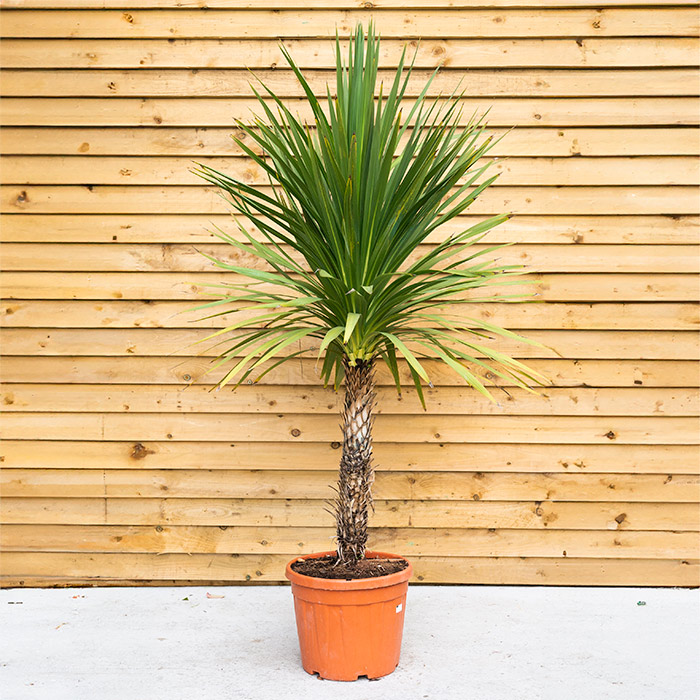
point(352, 628)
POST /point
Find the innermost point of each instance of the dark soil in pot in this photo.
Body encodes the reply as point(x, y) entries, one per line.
point(328, 567)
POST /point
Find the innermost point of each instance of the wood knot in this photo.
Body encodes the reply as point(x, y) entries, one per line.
point(139, 451)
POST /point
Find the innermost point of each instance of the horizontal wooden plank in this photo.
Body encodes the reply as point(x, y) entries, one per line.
point(134, 482)
point(179, 314)
point(71, 170)
point(207, 142)
point(459, 486)
point(252, 427)
point(226, 512)
point(533, 82)
point(313, 4)
point(491, 457)
point(140, 398)
point(324, 23)
point(414, 541)
point(177, 344)
point(194, 229)
point(206, 112)
point(185, 371)
point(311, 53)
point(122, 257)
point(54, 568)
point(140, 199)
point(394, 22)
point(167, 285)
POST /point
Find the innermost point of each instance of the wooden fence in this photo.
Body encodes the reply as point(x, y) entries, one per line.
point(119, 466)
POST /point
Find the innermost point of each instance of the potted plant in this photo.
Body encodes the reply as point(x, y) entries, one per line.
point(341, 271)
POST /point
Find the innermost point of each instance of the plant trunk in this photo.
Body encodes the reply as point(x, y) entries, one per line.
point(354, 497)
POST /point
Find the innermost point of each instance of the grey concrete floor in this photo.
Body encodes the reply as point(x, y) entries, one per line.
point(481, 643)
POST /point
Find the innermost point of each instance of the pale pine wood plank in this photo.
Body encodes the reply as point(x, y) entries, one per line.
point(168, 286)
point(311, 53)
point(140, 199)
point(321, 428)
point(185, 371)
point(178, 344)
point(501, 457)
point(194, 83)
point(414, 541)
point(38, 569)
point(194, 229)
point(323, 23)
point(70, 170)
point(209, 142)
point(226, 512)
point(139, 398)
point(313, 4)
point(457, 486)
point(120, 257)
point(530, 315)
point(213, 112)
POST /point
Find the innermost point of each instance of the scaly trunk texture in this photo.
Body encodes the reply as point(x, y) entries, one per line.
point(354, 497)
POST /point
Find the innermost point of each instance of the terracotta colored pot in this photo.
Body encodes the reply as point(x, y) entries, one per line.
point(350, 628)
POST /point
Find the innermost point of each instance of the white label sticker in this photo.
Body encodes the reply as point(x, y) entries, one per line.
point(399, 607)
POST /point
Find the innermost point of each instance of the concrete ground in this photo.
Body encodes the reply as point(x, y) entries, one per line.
point(481, 643)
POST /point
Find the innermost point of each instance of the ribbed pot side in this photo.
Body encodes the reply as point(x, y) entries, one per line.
point(351, 628)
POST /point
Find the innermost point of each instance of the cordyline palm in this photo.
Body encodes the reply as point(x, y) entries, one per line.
point(351, 198)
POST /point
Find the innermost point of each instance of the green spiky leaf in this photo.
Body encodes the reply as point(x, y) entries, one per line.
point(340, 235)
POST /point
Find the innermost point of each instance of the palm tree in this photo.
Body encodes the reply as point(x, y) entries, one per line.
point(351, 198)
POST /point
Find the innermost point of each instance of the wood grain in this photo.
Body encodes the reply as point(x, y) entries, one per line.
point(120, 467)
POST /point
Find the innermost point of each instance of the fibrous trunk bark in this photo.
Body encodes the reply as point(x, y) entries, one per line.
point(354, 497)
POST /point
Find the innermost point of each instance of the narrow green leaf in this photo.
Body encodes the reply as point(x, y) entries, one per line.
point(350, 324)
point(330, 336)
point(410, 357)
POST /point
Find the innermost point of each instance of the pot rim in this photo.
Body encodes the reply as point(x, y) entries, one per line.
point(334, 584)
